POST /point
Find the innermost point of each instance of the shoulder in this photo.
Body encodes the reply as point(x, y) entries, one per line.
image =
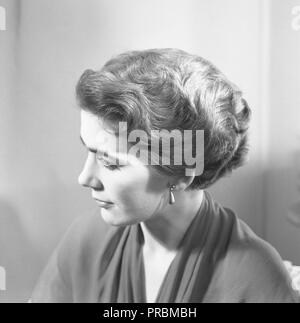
point(247, 268)
point(84, 231)
point(253, 250)
point(84, 241)
point(255, 266)
point(71, 265)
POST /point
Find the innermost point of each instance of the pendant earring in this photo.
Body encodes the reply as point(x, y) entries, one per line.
point(171, 195)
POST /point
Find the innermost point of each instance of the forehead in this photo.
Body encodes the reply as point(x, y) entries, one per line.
point(95, 132)
point(97, 135)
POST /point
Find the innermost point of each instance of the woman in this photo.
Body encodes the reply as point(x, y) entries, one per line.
point(168, 241)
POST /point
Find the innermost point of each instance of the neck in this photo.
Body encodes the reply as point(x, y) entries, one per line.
point(164, 231)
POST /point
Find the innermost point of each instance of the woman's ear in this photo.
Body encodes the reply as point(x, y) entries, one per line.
point(184, 182)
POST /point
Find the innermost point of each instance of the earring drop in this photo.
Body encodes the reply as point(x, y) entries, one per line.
point(171, 195)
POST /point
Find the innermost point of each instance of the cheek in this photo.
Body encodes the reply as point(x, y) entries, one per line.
point(136, 189)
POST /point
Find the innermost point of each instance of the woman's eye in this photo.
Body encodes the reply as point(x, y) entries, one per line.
point(106, 163)
point(111, 167)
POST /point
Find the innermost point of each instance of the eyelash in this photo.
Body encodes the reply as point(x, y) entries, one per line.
point(110, 167)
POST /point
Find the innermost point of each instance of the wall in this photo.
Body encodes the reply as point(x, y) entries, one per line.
point(282, 177)
point(53, 42)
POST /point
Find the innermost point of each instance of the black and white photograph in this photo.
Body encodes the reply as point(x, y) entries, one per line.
point(149, 154)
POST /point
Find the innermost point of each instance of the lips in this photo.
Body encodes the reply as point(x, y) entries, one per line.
point(94, 196)
point(103, 204)
point(103, 201)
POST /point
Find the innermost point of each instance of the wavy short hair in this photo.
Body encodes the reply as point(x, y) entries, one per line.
point(171, 89)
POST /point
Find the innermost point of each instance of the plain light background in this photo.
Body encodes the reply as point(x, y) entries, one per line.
point(49, 43)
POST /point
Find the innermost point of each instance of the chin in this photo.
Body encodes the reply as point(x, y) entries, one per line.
point(117, 219)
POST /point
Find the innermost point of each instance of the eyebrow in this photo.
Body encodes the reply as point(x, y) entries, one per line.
point(85, 145)
point(99, 150)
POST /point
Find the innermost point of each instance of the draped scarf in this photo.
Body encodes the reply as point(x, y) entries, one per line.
point(121, 267)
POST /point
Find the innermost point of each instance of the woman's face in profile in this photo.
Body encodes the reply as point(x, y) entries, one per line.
point(134, 192)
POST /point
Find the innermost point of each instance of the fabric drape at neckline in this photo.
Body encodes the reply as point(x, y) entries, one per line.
point(220, 259)
point(170, 279)
point(187, 275)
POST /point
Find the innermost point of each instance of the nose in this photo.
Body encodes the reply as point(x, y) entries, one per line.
point(89, 174)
